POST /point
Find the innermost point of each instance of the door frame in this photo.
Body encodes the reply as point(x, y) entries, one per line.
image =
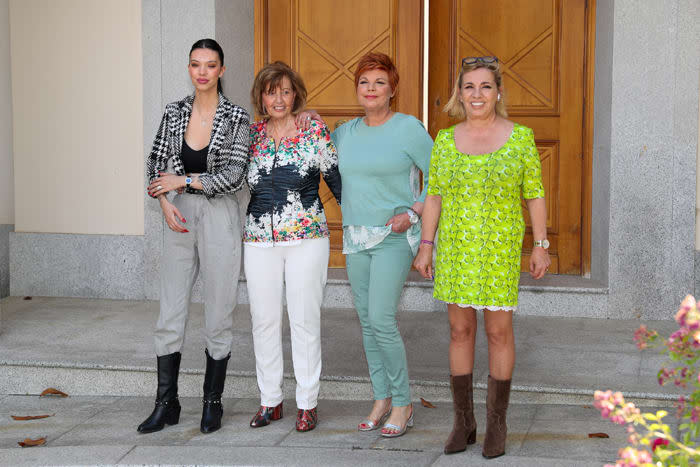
point(587, 169)
point(440, 8)
point(261, 51)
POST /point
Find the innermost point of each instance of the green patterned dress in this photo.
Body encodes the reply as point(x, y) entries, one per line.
point(481, 223)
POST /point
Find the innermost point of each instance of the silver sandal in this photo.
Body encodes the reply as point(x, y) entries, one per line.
point(369, 425)
point(398, 429)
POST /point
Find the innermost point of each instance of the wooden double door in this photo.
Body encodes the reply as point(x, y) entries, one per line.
point(541, 48)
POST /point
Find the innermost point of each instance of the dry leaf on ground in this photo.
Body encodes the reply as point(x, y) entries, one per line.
point(598, 435)
point(53, 392)
point(28, 443)
point(427, 404)
point(31, 417)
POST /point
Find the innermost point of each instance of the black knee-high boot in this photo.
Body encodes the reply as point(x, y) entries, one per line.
point(214, 379)
point(167, 409)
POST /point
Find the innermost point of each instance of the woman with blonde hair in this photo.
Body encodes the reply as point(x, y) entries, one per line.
point(286, 240)
point(479, 168)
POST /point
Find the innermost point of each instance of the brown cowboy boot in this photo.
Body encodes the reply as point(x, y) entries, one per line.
point(496, 407)
point(464, 429)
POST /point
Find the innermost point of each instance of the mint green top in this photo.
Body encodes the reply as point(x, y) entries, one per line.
point(481, 220)
point(376, 165)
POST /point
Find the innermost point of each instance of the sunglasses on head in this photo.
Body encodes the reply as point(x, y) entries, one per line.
point(487, 60)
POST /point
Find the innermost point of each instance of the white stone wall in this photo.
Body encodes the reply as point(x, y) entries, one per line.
point(653, 153)
point(697, 193)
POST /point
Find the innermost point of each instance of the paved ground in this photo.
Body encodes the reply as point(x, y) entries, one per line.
point(102, 430)
point(101, 352)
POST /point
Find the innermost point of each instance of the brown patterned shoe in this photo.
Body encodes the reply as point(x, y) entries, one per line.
point(265, 415)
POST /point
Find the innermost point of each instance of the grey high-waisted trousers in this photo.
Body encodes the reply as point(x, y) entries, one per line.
point(212, 247)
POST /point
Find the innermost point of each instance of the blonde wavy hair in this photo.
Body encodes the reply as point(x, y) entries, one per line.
point(454, 106)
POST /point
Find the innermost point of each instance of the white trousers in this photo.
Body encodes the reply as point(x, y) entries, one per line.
point(304, 269)
point(212, 248)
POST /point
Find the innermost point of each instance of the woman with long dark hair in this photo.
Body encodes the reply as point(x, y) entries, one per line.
point(204, 138)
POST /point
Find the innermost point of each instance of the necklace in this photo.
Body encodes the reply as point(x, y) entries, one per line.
point(204, 119)
point(274, 130)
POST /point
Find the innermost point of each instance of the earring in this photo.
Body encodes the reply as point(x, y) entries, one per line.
point(498, 97)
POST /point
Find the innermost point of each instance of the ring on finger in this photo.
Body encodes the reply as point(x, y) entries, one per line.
point(159, 187)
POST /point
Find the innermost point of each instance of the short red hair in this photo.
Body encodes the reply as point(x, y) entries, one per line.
point(377, 61)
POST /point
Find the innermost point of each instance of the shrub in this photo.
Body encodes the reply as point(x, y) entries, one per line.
point(654, 443)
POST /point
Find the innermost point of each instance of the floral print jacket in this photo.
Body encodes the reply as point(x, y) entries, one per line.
point(284, 202)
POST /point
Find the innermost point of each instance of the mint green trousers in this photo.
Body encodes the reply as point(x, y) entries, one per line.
point(377, 276)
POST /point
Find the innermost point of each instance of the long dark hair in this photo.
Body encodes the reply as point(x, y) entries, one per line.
point(212, 45)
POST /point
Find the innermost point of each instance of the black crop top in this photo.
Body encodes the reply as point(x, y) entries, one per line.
point(195, 162)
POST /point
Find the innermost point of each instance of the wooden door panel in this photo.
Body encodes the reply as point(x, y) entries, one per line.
point(323, 40)
point(540, 47)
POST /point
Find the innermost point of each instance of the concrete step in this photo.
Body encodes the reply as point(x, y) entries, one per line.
point(104, 347)
point(569, 296)
point(98, 380)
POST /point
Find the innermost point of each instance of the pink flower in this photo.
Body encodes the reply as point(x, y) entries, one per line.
point(658, 442)
point(617, 398)
point(632, 457)
point(619, 419)
point(688, 302)
point(305, 222)
point(687, 305)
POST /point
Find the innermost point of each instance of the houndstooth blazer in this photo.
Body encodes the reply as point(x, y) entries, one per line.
point(227, 159)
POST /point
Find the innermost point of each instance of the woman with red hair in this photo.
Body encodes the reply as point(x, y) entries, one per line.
point(380, 155)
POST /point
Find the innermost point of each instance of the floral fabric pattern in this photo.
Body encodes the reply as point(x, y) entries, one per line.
point(362, 237)
point(481, 223)
point(284, 204)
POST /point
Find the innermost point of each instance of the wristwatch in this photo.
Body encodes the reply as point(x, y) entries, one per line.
point(412, 216)
point(543, 243)
point(188, 181)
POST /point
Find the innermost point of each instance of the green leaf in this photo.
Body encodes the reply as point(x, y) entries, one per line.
point(661, 414)
point(649, 416)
